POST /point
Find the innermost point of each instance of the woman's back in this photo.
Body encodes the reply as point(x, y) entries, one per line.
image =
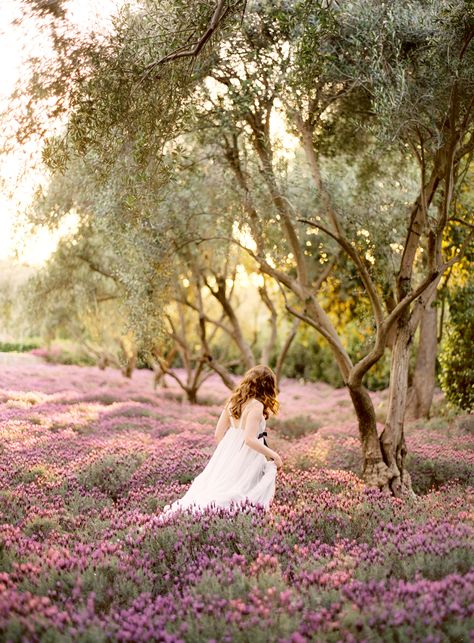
point(244, 413)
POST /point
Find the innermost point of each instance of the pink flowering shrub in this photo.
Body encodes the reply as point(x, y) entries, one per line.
point(88, 459)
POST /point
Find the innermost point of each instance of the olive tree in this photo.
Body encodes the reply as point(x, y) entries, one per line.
point(382, 80)
point(394, 78)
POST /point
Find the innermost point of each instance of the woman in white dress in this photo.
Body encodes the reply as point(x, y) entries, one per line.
point(238, 469)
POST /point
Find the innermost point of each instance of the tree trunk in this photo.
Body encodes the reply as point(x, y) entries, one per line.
point(103, 362)
point(285, 348)
point(270, 345)
point(191, 394)
point(392, 439)
point(223, 373)
point(220, 294)
point(422, 390)
point(159, 376)
point(130, 365)
point(129, 356)
point(374, 469)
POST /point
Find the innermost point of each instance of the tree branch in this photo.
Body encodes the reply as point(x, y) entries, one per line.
point(328, 268)
point(278, 275)
point(341, 355)
point(215, 322)
point(220, 12)
point(466, 223)
point(406, 301)
point(363, 272)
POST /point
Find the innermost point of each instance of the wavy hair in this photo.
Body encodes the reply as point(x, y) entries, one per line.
point(258, 382)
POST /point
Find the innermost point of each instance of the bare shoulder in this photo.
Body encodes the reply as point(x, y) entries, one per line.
point(255, 406)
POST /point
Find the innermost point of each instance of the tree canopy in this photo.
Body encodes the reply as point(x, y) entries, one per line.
point(171, 156)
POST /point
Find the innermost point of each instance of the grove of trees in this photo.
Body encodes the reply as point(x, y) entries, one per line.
point(247, 176)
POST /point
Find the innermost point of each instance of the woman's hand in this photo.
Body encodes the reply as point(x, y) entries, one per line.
point(278, 461)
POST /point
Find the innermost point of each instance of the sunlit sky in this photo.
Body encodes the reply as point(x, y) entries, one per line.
point(17, 43)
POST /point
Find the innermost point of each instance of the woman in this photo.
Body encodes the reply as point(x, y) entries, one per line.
point(238, 468)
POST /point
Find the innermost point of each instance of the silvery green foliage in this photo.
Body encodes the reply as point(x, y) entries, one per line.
point(69, 299)
point(375, 79)
point(149, 150)
point(411, 56)
point(112, 249)
point(139, 238)
point(102, 82)
point(112, 155)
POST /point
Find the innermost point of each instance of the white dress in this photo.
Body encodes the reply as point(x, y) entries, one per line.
point(234, 472)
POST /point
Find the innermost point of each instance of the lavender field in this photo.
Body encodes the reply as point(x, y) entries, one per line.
point(88, 458)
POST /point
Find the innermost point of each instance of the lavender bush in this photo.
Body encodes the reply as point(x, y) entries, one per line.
point(88, 459)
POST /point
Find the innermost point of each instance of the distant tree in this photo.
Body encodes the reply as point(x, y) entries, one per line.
point(12, 322)
point(95, 254)
point(457, 354)
point(433, 315)
point(76, 296)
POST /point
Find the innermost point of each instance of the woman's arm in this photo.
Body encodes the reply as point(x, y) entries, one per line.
point(252, 427)
point(223, 424)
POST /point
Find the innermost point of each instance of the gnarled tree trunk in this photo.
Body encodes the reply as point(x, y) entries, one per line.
point(374, 469)
point(285, 348)
point(421, 393)
point(392, 439)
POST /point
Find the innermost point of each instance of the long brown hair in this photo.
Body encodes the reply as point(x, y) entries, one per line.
point(258, 382)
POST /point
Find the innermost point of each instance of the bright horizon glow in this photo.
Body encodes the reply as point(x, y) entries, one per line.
point(19, 173)
point(34, 247)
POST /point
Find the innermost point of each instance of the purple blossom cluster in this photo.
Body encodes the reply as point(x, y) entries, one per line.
point(87, 461)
